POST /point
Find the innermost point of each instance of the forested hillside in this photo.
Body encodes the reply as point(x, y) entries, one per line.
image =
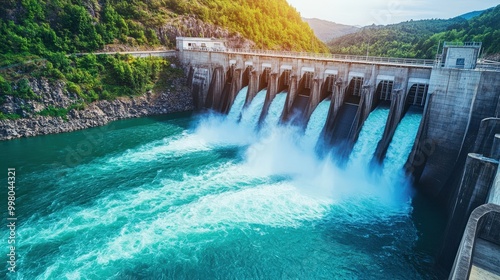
point(420, 39)
point(484, 28)
point(34, 27)
point(471, 15)
point(37, 35)
point(397, 40)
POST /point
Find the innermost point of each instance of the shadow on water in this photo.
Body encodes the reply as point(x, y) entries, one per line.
point(430, 221)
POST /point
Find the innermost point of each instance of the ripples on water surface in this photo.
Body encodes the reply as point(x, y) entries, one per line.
point(184, 197)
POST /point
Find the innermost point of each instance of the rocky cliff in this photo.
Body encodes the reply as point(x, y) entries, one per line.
point(175, 98)
point(187, 26)
point(190, 26)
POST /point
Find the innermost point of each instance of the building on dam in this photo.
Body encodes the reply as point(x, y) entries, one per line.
point(455, 154)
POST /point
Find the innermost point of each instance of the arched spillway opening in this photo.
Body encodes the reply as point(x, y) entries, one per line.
point(354, 91)
point(403, 141)
point(223, 88)
point(412, 118)
point(276, 96)
point(299, 106)
point(264, 78)
point(271, 115)
point(372, 130)
point(384, 90)
point(417, 95)
point(275, 101)
point(316, 125)
point(410, 103)
point(245, 78)
point(198, 81)
point(216, 88)
point(325, 91)
point(231, 88)
point(319, 109)
point(238, 104)
point(234, 108)
point(257, 82)
point(253, 85)
point(339, 133)
point(284, 80)
point(328, 86)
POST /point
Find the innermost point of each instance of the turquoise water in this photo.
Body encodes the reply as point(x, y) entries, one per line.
point(274, 113)
point(369, 136)
point(239, 101)
point(402, 143)
point(201, 197)
point(250, 115)
point(316, 123)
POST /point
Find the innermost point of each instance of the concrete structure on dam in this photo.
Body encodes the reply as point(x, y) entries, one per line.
point(356, 85)
point(455, 155)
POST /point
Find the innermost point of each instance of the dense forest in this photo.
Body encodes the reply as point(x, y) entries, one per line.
point(38, 35)
point(420, 39)
point(33, 27)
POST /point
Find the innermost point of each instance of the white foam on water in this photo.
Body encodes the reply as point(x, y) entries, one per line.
point(235, 111)
point(142, 200)
point(218, 131)
point(251, 114)
point(371, 133)
point(280, 153)
point(275, 205)
point(167, 147)
point(316, 124)
point(275, 111)
point(278, 184)
point(401, 144)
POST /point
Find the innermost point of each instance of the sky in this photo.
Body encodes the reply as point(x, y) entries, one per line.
point(382, 12)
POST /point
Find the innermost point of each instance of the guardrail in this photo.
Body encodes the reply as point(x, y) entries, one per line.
point(488, 67)
point(485, 64)
point(462, 44)
point(335, 57)
point(166, 53)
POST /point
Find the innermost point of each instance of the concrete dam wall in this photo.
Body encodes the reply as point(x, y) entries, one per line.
point(454, 154)
point(356, 89)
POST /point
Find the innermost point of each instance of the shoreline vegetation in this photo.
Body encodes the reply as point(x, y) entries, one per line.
point(83, 79)
point(39, 80)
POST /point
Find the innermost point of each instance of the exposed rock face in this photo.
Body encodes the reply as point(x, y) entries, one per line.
point(177, 98)
point(49, 94)
point(190, 26)
point(186, 26)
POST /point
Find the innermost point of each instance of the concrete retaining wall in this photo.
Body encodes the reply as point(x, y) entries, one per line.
point(459, 100)
point(475, 186)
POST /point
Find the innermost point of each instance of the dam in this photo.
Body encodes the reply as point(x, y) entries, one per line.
point(294, 166)
point(435, 120)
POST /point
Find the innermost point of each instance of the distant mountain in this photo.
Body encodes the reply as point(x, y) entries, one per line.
point(395, 40)
point(327, 30)
point(421, 38)
point(471, 15)
point(484, 28)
